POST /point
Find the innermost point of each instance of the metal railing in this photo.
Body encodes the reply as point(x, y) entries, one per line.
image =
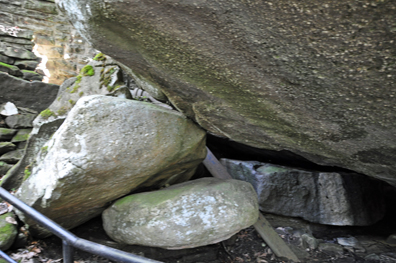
point(69, 240)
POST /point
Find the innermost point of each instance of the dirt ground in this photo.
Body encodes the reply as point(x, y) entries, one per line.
point(245, 246)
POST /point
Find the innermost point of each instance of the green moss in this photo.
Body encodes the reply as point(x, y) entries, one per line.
point(8, 65)
point(87, 70)
point(110, 88)
point(27, 172)
point(44, 148)
point(81, 94)
point(75, 88)
point(29, 71)
point(110, 70)
point(47, 113)
point(100, 57)
point(62, 110)
point(58, 99)
point(72, 102)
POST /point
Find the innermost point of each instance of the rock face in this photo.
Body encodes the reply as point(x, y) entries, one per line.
point(191, 214)
point(54, 37)
point(325, 198)
point(35, 95)
point(106, 148)
point(8, 231)
point(314, 78)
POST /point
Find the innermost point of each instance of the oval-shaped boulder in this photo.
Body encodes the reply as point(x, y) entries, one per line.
point(191, 214)
point(106, 148)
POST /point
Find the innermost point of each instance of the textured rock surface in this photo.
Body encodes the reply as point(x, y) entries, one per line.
point(8, 231)
point(106, 148)
point(315, 78)
point(325, 198)
point(191, 214)
point(35, 95)
point(54, 37)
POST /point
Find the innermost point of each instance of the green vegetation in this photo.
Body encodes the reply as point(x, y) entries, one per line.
point(81, 94)
point(75, 88)
point(72, 102)
point(87, 70)
point(8, 65)
point(44, 148)
point(62, 110)
point(100, 57)
point(47, 113)
point(27, 172)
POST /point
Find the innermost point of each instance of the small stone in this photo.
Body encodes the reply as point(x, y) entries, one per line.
point(330, 247)
point(8, 109)
point(309, 241)
point(347, 241)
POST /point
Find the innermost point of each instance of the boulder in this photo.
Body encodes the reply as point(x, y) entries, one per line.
point(325, 198)
point(40, 134)
point(96, 78)
point(191, 214)
point(20, 121)
point(314, 78)
point(12, 157)
point(8, 231)
point(35, 95)
point(106, 148)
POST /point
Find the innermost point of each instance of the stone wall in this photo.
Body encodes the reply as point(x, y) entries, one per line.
point(67, 52)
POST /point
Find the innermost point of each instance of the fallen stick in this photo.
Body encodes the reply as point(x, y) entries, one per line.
point(262, 226)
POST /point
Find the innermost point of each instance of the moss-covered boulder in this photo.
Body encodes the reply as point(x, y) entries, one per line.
point(8, 231)
point(106, 148)
point(313, 77)
point(191, 214)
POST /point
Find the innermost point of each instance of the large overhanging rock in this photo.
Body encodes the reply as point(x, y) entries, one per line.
point(106, 148)
point(191, 214)
point(313, 77)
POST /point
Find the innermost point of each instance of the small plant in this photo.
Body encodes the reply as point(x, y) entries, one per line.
point(110, 88)
point(44, 149)
point(47, 113)
point(27, 172)
point(100, 57)
point(87, 70)
point(75, 88)
point(62, 110)
point(72, 102)
point(81, 94)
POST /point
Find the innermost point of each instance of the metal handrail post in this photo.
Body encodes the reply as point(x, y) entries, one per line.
point(70, 239)
point(7, 257)
point(67, 252)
